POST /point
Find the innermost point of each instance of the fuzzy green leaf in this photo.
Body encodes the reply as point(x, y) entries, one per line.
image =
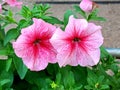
point(80, 11)
point(20, 67)
point(66, 16)
point(11, 34)
point(24, 23)
point(25, 12)
point(6, 79)
point(4, 51)
point(54, 20)
point(98, 18)
point(8, 64)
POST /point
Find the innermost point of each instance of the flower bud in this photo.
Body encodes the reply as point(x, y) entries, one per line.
point(88, 5)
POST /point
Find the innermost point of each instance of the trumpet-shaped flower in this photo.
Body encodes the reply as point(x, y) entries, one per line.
point(34, 47)
point(86, 5)
point(13, 3)
point(78, 44)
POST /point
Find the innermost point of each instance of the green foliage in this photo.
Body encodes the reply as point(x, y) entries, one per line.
point(2, 33)
point(53, 20)
point(25, 12)
point(10, 35)
point(20, 67)
point(94, 16)
point(66, 16)
point(7, 18)
point(6, 75)
point(80, 11)
point(38, 11)
point(96, 82)
point(24, 23)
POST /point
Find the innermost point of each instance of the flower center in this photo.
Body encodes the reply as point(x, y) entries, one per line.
point(76, 39)
point(37, 41)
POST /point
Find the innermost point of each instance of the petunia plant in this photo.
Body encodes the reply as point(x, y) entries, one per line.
point(41, 52)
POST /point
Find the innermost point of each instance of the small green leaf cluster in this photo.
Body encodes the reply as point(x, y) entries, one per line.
point(39, 11)
point(89, 16)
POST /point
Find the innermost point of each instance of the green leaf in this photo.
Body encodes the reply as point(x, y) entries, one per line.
point(66, 16)
point(98, 18)
point(5, 64)
point(92, 77)
point(88, 87)
point(94, 16)
point(8, 64)
point(24, 23)
point(0, 87)
point(68, 79)
point(54, 20)
point(58, 78)
point(4, 81)
point(39, 10)
point(95, 12)
point(46, 7)
point(80, 74)
point(2, 33)
point(4, 51)
point(25, 12)
point(10, 20)
point(46, 18)
point(100, 79)
point(79, 87)
point(115, 68)
point(38, 79)
point(104, 87)
point(2, 65)
point(104, 53)
point(80, 11)
point(71, 79)
point(20, 67)
point(11, 34)
point(10, 13)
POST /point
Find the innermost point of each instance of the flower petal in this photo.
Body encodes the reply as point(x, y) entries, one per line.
point(40, 60)
point(78, 56)
point(84, 52)
point(87, 57)
point(59, 38)
point(36, 56)
point(92, 37)
point(0, 8)
point(75, 26)
point(13, 3)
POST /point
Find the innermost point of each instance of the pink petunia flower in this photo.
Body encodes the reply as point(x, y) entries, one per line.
point(34, 47)
point(13, 3)
point(78, 44)
point(86, 5)
point(0, 8)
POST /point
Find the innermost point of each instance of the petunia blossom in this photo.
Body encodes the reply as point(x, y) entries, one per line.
point(78, 44)
point(13, 3)
point(34, 47)
point(0, 8)
point(86, 5)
